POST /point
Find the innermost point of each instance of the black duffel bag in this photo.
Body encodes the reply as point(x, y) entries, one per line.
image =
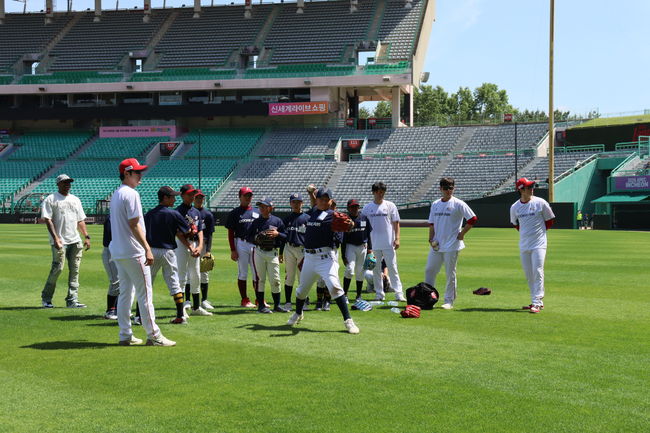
point(423, 295)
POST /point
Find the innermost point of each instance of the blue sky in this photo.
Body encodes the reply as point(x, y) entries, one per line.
point(601, 60)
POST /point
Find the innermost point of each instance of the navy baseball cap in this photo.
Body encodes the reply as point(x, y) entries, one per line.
point(322, 192)
point(295, 197)
point(353, 202)
point(187, 189)
point(166, 191)
point(267, 201)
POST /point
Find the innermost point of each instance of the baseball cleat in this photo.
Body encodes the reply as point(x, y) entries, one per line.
point(136, 320)
point(133, 341)
point(319, 305)
point(76, 305)
point(535, 309)
point(247, 303)
point(326, 306)
point(179, 321)
point(264, 310)
point(295, 319)
point(287, 306)
point(200, 312)
point(351, 327)
point(47, 304)
point(110, 315)
point(400, 297)
point(265, 304)
point(528, 307)
point(379, 298)
point(187, 305)
point(206, 305)
point(447, 306)
point(161, 340)
point(280, 309)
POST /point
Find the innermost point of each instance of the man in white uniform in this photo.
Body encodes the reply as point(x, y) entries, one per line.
point(64, 217)
point(133, 257)
point(532, 217)
point(446, 237)
point(384, 237)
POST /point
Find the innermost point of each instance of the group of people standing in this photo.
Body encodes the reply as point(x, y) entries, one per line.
point(138, 246)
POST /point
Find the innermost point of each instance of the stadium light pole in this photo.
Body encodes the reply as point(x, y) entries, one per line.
point(551, 134)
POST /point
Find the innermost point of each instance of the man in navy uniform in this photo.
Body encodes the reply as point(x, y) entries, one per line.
point(292, 251)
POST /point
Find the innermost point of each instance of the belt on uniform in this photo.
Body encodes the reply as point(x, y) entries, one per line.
point(318, 250)
point(266, 249)
point(295, 245)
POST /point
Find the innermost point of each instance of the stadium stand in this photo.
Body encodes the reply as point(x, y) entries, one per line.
point(182, 74)
point(53, 145)
point(210, 40)
point(108, 148)
point(72, 77)
point(502, 137)
point(563, 161)
point(6, 79)
point(321, 34)
point(84, 47)
point(399, 27)
point(301, 141)
point(16, 175)
point(222, 143)
point(311, 70)
point(26, 34)
point(401, 175)
point(277, 179)
point(427, 139)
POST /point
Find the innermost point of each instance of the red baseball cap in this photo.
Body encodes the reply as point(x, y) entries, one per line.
point(131, 164)
point(245, 190)
point(188, 189)
point(199, 193)
point(523, 183)
point(353, 202)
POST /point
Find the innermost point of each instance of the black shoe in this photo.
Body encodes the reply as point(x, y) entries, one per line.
point(280, 309)
point(326, 305)
point(319, 305)
point(264, 310)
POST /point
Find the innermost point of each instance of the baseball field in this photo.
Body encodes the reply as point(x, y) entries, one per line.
point(486, 366)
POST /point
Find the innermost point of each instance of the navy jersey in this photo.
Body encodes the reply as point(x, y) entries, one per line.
point(360, 233)
point(162, 223)
point(296, 225)
point(261, 224)
point(208, 227)
point(191, 213)
point(107, 231)
point(319, 232)
point(239, 220)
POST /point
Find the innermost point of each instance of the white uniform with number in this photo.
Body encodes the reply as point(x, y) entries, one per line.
point(129, 257)
point(382, 236)
point(531, 218)
point(447, 219)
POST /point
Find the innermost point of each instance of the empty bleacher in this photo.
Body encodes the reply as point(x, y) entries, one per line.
point(53, 145)
point(111, 149)
point(209, 40)
point(16, 175)
point(502, 137)
point(399, 27)
point(427, 139)
point(222, 143)
point(26, 34)
point(563, 161)
point(321, 34)
point(301, 141)
point(101, 46)
point(277, 179)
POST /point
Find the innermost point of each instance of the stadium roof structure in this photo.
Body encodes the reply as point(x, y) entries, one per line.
point(342, 51)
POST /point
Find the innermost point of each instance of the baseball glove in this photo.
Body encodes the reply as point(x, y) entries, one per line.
point(482, 291)
point(311, 187)
point(264, 241)
point(411, 311)
point(371, 262)
point(341, 222)
point(207, 262)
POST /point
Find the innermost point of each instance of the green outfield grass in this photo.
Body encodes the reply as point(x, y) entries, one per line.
point(486, 366)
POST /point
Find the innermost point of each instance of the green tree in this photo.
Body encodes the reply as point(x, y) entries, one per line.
point(364, 113)
point(431, 106)
point(383, 109)
point(491, 102)
point(462, 105)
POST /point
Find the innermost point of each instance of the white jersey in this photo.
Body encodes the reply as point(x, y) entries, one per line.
point(66, 212)
point(447, 219)
point(381, 217)
point(125, 205)
point(531, 218)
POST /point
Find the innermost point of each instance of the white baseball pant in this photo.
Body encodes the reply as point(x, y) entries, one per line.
point(355, 255)
point(434, 264)
point(266, 264)
point(390, 257)
point(322, 264)
point(135, 279)
point(166, 259)
point(533, 263)
point(188, 267)
point(111, 272)
point(245, 260)
point(292, 256)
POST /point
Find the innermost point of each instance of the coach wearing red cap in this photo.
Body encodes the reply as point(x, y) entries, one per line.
point(133, 257)
point(532, 216)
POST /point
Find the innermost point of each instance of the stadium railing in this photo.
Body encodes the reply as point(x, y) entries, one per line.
point(72, 77)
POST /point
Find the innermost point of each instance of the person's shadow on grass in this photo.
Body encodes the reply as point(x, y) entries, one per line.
point(20, 308)
point(76, 317)
point(292, 330)
point(490, 310)
point(67, 345)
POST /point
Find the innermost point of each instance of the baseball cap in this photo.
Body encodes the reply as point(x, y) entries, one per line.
point(322, 192)
point(267, 201)
point(295, 197)
point(245, 190)
point(523, 182)
point(199, 193)
point(64, 178)
point(187, 189)
point(166, 191)
point(353, 202)
point(131, 164)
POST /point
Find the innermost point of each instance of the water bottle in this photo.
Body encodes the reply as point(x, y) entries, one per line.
point(376, 303)
point(395, 310)
point(392, 303)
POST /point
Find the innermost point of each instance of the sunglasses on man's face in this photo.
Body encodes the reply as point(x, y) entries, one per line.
point(447, 188)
